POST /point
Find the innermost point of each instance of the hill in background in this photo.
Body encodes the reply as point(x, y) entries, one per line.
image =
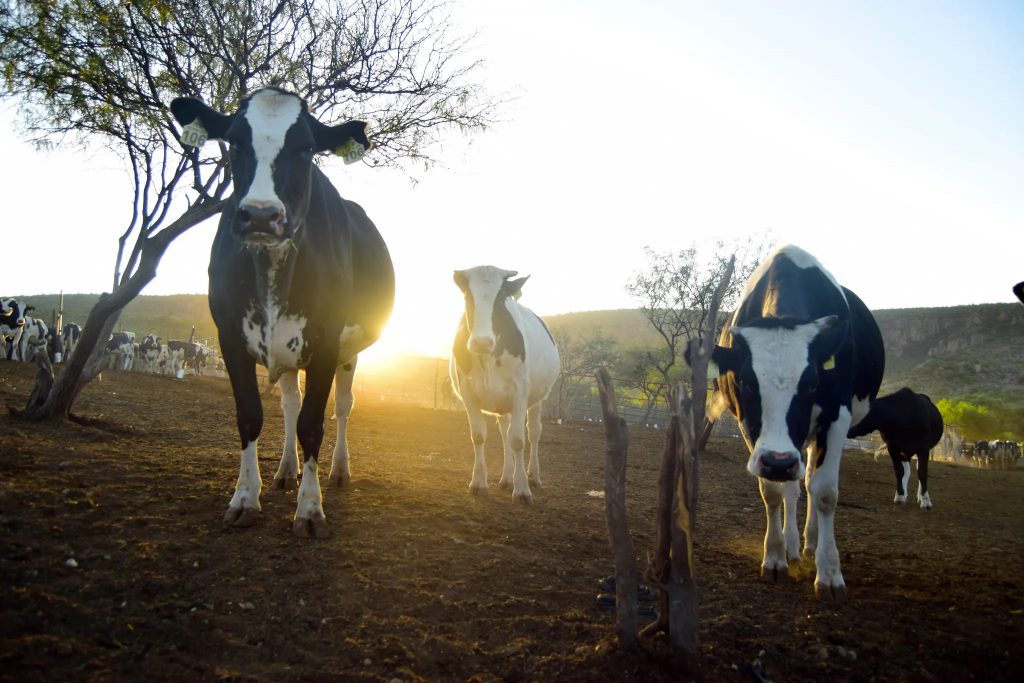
point(971, 353)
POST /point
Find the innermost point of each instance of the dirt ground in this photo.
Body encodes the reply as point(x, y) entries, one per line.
point(114, 564)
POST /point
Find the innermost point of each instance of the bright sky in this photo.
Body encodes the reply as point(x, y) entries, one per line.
point(886, 138)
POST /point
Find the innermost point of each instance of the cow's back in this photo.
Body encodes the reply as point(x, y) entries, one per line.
point(542, 361)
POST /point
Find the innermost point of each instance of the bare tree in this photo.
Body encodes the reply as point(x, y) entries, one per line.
point(98, 72)
point(675, 293)
point(581, 355)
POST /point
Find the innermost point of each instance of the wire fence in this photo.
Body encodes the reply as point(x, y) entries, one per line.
point(423, 381)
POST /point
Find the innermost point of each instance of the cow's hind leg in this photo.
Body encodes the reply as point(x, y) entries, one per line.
point(534, 426)
point(291, 400)
point(517, 442)
point(508, 458)
point(344, 375)
point(923, 499)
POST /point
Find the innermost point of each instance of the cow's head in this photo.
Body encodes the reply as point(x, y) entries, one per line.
point(13, 312)
point(771, 375)
point(486, 289)
point(272, 139)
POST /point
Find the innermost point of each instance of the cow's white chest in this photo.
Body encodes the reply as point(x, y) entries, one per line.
point(275, 339)
point(495, 382)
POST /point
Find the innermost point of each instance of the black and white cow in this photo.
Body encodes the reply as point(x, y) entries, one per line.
point(149, 353)
point(32, 338)
point(504, 362)
point(299, 278)
point(12, 326)
point(798, 366)
point(910, 425)
point(70, 334)
point(120, 351)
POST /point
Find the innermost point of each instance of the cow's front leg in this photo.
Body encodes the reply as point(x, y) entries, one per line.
point(478, 434)
point(244, 507)
point(534, 427)
point(823, 494)
point(508, 464)
point(291, 400)
point(309, 510)
point(344, 375)
point(811, 521)
point(902, 469)
point(774, 565)
point(517, 443)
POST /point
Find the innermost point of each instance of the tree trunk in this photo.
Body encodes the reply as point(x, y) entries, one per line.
point(659, 567)
point(616, 443)
point(87, 360)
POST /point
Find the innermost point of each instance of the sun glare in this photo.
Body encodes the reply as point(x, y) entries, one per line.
point(412, 331)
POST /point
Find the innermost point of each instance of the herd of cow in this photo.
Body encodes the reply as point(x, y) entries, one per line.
point(998, 454)
point(300, 278)
point(21, 335)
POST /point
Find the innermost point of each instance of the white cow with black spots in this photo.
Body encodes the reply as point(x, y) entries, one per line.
point(504, 362)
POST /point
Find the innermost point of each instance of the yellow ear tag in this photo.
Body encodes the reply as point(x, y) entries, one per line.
point(830, 364)
point(351, 151)
point(193, 135)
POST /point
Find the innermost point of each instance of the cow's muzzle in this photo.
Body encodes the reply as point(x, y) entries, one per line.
point(779, 466)
point(481, 345)
point(263, 224)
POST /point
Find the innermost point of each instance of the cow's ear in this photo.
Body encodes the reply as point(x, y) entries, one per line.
point(190, 113)
point(514, 288)
point(27, 309)
point(348, 140)
point(723, 359)
point(461, 279)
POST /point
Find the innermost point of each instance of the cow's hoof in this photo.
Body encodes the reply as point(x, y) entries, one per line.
point(524, 498)
point(314, 527)
point(833, 593)
point(241, 517)
point(478, 489)
point(775, 574)
point(535, 481)
point(340, 481)
point(284, 484)
point(899, 499)
point(505, 484)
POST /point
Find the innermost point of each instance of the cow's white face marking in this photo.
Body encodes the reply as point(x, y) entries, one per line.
point(778, 357)
point(270, 114)
point(484, 284)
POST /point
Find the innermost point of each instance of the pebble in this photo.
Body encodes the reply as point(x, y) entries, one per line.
point(582, 650)
point(246, 605)
point(72, 562)
point(847, 653)
point(367, 662)
point(823, 653)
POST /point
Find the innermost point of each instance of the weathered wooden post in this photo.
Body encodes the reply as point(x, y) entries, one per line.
point(616, 443)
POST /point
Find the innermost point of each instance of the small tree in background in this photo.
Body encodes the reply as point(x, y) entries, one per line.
point(640, 380)
point(581, 356)
point(675, 294)
point(99, 72)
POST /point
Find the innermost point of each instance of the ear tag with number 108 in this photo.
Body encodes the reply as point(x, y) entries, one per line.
point(193, 135)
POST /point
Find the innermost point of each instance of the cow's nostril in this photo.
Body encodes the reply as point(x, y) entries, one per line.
point(244, 217)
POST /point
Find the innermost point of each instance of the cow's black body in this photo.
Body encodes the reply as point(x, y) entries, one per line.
point(910, 425)
point(299, 277)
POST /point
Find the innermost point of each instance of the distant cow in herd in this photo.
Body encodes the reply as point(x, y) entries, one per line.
point(798, 365)
point(299, 278)
point(504, 362)
point(910, 425)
